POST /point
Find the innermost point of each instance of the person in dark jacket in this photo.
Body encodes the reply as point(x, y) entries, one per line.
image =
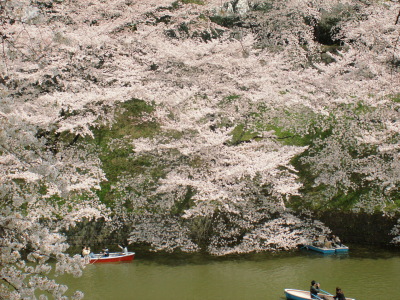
point(339, 294)
point(106, 253)
point(314, 290)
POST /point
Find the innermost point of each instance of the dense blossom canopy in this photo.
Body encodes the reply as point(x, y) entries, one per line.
point(200, 123)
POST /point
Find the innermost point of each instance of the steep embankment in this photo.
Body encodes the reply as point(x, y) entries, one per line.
point(221, 126)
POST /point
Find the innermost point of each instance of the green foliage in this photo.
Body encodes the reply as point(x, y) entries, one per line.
point(201, 229)
point(115, 145)
point(175, 5)
point(104, 193)
point(185, 203)
point(324, 30)
point(360, 108)
point(199, 2)
point(118, 161)
point(136, 107)
point(203, 17)
point(314, 198)
point(55, 139)
point(225, 21)
point(229, 100)
point(240, 134)
point(345, 200)
point(395, 98)
point(183, 27)
point(42, 189)
point(196, 162)
point(343, 196)
point(329, 24)
point(265, 6)
point(288, 138)
point(326, 53)
point(128, 124)
point(297, 128)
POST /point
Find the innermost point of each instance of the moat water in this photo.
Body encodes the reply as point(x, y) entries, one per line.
point(363, 274)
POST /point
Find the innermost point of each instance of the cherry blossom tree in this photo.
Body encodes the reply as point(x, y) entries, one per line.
point(251, 113)
point(48, 177)
point(46, 186)
point(324, 105)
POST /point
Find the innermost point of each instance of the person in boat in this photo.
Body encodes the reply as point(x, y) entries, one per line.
point(339, 294)
point(85, 251)
point(331, 239)
point(314, 290)
point(124, 249)
point(106, 253)
point(319, 242)
point(328, 243)
point(336, 241)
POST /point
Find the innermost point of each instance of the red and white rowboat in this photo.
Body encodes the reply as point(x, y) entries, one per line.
point(113, 257)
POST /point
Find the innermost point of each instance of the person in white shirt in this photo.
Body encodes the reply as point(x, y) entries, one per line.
point(124, 248)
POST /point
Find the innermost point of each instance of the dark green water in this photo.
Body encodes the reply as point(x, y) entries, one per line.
point(364, 274)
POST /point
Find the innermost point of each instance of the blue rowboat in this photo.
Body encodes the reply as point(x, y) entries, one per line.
point(321, 249)
point(292, 294)
point(324, 250)
point(342, 249)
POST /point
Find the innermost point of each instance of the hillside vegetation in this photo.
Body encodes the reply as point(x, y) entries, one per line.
point(215, 126)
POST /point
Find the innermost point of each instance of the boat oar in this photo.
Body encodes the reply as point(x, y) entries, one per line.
point(94, 261)
point(329, 294)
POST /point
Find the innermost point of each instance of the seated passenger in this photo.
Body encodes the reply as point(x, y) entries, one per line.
point(337, 241)
point(315, 290)
point(319, 242)
point(339, 294)
point(328, 243)
point(124, 249)
point(106, 253)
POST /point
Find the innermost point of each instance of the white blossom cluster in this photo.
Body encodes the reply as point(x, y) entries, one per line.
point(162, 233)
point(283, 233)
point(235, 107)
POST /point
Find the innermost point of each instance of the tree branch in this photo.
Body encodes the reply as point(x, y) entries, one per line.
point(9, 283)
